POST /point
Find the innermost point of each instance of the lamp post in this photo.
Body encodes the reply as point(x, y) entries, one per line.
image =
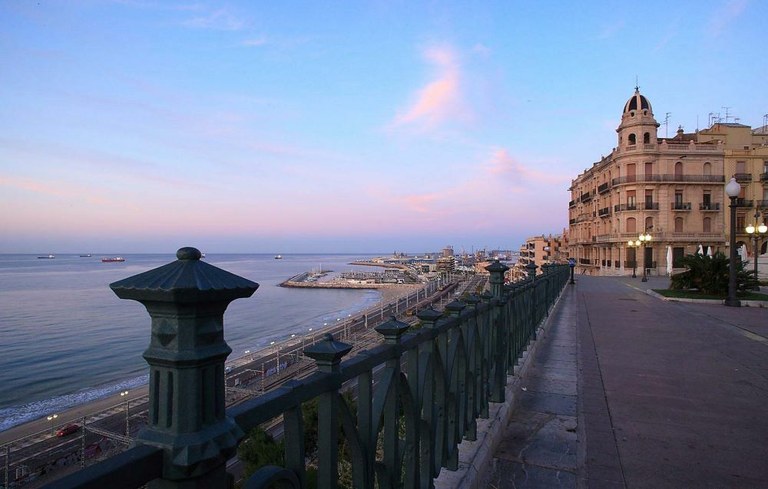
point(634, 245)
point(127, 425)
point(756, 232)
point(644, 240)
point(277, 357)
point(732, 189)
point(52, 419)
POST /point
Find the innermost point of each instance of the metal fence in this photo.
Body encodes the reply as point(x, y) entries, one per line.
point(418, 393)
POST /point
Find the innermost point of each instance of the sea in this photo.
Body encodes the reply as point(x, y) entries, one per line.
point(67, 339)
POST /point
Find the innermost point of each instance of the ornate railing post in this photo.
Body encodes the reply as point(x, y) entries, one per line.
point(328, 354)
point(392, 330)
point(498, 323)
point(433, 402)
point(186, 300)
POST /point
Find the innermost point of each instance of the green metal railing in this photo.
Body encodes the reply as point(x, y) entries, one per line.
point(418, 394)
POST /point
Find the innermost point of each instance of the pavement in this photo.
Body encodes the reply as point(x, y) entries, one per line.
point(626, 390)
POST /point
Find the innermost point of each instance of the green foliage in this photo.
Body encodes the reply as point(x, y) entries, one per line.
point(260, 449)
point(709, 275)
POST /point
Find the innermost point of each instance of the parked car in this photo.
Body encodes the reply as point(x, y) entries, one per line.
point(68, 430)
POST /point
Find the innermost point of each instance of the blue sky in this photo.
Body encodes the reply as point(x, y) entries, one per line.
point(143, 126)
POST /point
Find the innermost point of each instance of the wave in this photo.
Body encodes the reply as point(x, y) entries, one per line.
point(16, 415)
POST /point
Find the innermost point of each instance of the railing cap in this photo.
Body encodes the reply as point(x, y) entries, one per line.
point(429, 314)
point(392, 329)
point(327, 351)
point(186, 280)
point(455, 307)
point(497, 266)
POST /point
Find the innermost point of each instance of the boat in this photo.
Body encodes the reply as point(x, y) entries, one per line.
point(46, 257)
point(278, 257)
point(85, 256)
point(112, 259)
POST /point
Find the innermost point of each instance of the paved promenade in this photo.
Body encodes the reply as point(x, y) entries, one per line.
point(630, 391)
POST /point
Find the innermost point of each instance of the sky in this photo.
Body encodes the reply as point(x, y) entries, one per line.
point(132, 126)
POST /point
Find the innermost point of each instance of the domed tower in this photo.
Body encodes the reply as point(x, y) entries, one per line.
point(637, 123)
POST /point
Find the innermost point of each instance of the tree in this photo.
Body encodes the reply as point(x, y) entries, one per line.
point(709, 275)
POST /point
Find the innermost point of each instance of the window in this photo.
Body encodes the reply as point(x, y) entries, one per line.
point(648, 224)
point(649, 199)
point(678, 224)
point(678, 199)
point(741, 167)
point(631, 172)
point(707, 199)
point(707, 168)
point(631, 204)
point(648, 169)
point(632, 139)
point(707, 225)
point(678, 170)
point(647, 137)
point(741, 222)
point(631, 225)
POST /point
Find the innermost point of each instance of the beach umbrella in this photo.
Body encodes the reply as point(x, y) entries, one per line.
point(669, 260)
point(743, 252)
point(710, 253)
point(701, 250)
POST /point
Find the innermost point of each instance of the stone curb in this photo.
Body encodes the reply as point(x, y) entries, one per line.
point(744, 303)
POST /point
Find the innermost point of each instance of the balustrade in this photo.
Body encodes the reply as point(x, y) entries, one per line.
point(418, 393)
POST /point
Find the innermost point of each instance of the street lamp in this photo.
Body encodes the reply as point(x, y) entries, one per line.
point(732, 189)
point(52, 419)
point(756, 232)
point(127, 426)
point(277, 357)
point(644, 239)
point(634, 245)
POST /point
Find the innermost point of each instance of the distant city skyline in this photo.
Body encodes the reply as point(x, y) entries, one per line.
point(133, 126)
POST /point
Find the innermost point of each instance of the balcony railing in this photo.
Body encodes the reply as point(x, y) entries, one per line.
point(572, 203)
point(680, 206)
point(603, 188)
point(709, 206)
point(764, 177)
point(604, 212)
point(743, 177)
point(761, 203)
point(651, 206)
point(624, 207)
point(586, 197)
point(743, 202)
point(668, 178)
point(418, 394)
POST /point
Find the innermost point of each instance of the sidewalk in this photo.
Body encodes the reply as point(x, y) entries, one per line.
point(630, 391)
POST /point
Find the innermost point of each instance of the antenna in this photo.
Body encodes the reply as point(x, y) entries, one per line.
point(666, 124)
point(765, 123)
point(727, 115)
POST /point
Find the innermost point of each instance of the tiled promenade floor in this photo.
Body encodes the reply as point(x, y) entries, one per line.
point(627, 390)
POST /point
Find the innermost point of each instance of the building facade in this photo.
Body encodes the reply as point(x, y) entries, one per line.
point(668, 189)
point(539, 250)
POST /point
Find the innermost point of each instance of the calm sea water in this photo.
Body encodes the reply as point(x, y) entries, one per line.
point(66, 339)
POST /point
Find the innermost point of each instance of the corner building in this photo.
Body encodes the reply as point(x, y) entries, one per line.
point(669, 188)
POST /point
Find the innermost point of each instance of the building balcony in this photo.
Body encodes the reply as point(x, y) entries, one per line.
point(586, 197)
point(624, 207)
point(764, 177)
point(743, 202)
point(709, 206)
point(604, 188)
point(680, 206)
point(761, 204)
point(604, 212)
point(668, 178)
point(650, 206)
point(572, 204)
point(743, 177)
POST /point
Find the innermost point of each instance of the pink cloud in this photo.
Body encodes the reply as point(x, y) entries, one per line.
point(440, 100)
point(725, 15)
point(505, 166)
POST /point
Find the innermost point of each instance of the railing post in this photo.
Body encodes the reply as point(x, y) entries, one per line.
point(328, 354)
point(498, 323)
point(186, 300)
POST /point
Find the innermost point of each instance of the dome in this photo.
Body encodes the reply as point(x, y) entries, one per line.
point(637, 102)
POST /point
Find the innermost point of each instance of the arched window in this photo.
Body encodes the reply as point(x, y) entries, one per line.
point(707, 225)
point(678, 170)
point(631, 225)
point(647, 137)
point(632, 139)
point(707, 168)
point(648, 223)
point(678, 224)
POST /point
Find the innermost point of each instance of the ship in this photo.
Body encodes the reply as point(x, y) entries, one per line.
point(46, 257)
point(278, 257)
point(112, 259)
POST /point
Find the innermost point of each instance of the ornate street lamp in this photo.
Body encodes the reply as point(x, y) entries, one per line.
point(634, 245)
point(644, 239)
point(52, 419)
point(756, 232)
point(732, 189)
point(127, 413)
